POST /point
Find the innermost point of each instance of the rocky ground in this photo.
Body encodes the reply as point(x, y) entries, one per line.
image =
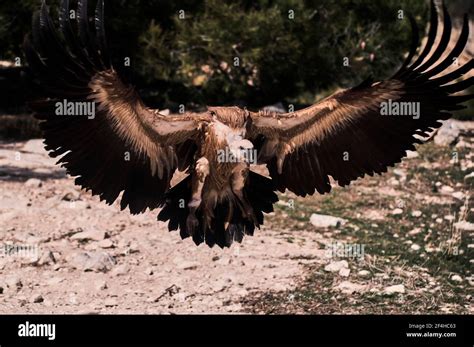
point(397, 243)
point(94, 258)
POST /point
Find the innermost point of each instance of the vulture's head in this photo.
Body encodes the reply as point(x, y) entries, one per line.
point(233, 117)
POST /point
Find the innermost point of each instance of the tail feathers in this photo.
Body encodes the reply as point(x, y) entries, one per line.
point(175, 207)
point(221, 231)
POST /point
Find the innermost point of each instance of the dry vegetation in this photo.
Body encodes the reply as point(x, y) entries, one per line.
point(405, 219)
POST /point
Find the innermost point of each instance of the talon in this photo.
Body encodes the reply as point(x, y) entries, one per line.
point(202, 168)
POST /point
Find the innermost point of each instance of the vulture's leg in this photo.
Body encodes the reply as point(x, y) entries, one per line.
point(238, 178)
point(198, 179)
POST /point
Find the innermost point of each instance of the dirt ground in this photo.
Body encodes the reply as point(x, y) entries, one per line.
point(94, 258)
point(87, 257)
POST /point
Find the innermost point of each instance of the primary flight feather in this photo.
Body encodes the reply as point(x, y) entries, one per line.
point(126, 147)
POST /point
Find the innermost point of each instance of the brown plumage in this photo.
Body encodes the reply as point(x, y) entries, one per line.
point(125, 147)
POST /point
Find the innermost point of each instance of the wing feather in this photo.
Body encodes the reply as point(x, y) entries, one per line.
point(124, 146)
point(345, 136)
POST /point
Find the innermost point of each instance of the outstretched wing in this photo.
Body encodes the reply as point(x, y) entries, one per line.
point(352, 133)
point(97, 124)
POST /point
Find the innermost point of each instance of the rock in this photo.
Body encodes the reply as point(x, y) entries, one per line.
point(397, 211)
point(464, 144)
point(336, 266)
point(348, 287)
point(469, 177)
point(123, 243)
point(46, 258)
point(36, 299)
point(393, 182)
point(133, 248)
point(467, 165)
point(71, 196)
point(101, 285)
point(400, 173)
point(412, 154)
point(14, 283)
point(374, 215)
point(415, 231)
point(344, 272)
point(446, 190)
point(415, 247)
point(33, 183)
point(241, 292)
point(416, 214)
point(106, 243)
point(93, 261)
point(324, 221)
point(364, 273)
point(95, 235)
point(398, 288)
point(120, 270)
point(91, 247)
point(456, 278)
point(447, 134)
point(149, 271)
point(464, 226)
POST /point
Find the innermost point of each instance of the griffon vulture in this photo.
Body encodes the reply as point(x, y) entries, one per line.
point(129, 148)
